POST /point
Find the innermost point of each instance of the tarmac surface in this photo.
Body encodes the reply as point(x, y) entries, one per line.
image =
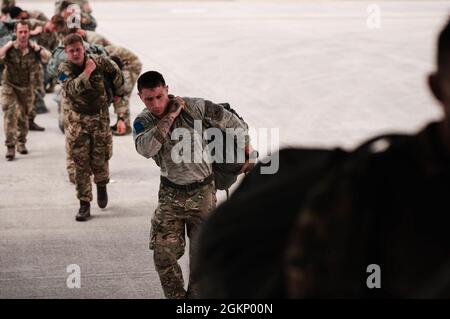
point(314, 71)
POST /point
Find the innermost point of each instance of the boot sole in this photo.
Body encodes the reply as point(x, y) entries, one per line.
point(81, 219)
point(102, 205)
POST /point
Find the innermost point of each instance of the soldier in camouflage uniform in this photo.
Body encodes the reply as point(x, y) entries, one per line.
point(187, 193)
point(17, 13)
point(58, 57)
point(7, 4)
point(84, 80)
point(131, 68)
point(22, 58)
point(93, 37)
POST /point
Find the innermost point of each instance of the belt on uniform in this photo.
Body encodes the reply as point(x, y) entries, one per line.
point(188, 187)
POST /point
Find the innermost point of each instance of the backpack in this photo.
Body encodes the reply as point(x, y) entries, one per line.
point(225, 174)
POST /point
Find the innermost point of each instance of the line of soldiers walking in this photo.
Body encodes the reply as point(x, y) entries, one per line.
point(36, 54)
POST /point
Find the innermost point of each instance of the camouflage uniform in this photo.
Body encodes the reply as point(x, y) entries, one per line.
point(37, 15)
point(8, 4)
point(179, 208)
point(58, 57)
point(70, 164)
point(18, 93)
point(58, 3)
point(49, 41)
point(88, 133)
point(132, 67)
point(96, 38)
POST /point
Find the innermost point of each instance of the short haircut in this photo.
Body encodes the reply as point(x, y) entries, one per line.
point(14, 12)
point(72, 38)
point(22, 22)
point(150, 80)
point(65, 5)
point(58, 22)
point(443, 50)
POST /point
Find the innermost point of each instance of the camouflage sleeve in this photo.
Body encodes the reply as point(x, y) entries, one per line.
point(116, 75)
point(71, 84)
point(128, 86)
point(45, 55)
point(216, 115)
point(147, 138)
point(56, 59)
point(58, 7)
point(88, 22)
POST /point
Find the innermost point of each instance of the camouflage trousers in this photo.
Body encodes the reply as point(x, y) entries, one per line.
point(39, 89)
point(90, 147)
point(178, 212)
point(18, 108)
point(70, 164)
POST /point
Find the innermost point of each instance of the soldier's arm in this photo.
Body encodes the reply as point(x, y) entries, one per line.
point(117, 77)
point(55, 60)
point(148, 141)
point(88, 22)
point(5, 48)
point(73, 85)
point(44, 54)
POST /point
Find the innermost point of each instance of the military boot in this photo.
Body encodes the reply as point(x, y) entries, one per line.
point(10, 153)
point(22, 149)
point(34, 127)
point(84, 212)
point(102, 196)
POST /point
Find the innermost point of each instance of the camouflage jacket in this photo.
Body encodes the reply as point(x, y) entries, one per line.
point(20, 68)
point(48, 40)
point(130, 60)
point(91, 95)
point(58, 3)
point(150, 143)
point(93, 37)
point(8, 3)
point(59, 56)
